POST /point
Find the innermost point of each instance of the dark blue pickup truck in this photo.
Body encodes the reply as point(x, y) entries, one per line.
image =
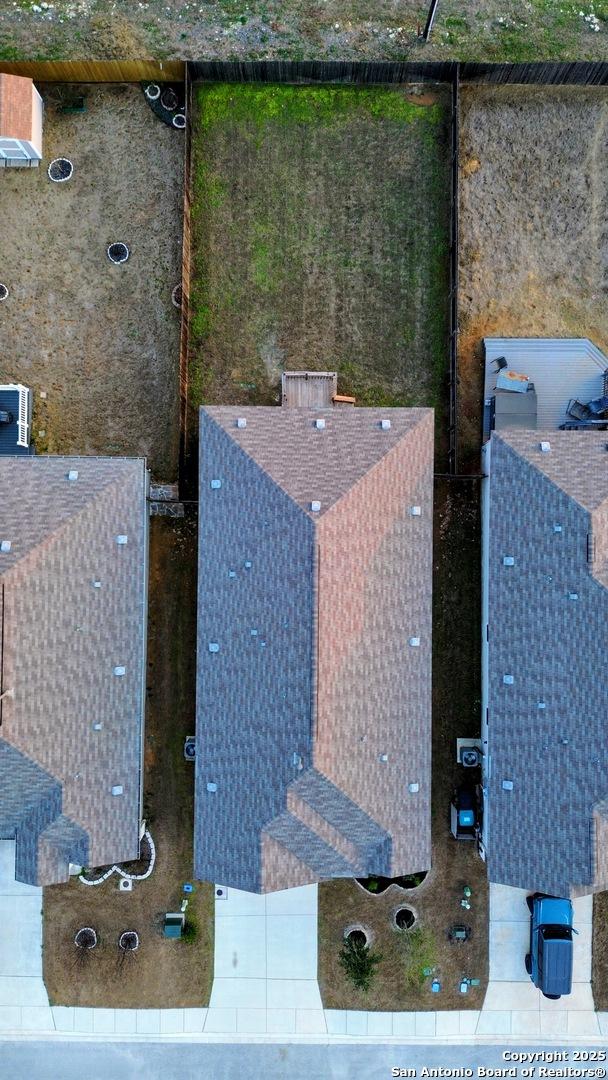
point(549, 962)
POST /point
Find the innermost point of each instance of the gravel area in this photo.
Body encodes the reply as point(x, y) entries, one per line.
point(533, 226)
point(100, 341)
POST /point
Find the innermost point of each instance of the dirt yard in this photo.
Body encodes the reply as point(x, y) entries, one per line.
point(456, 705)
point(320, 241)
point(304, 29)
point(100, 341)
point(162, 973)
point(533, 227)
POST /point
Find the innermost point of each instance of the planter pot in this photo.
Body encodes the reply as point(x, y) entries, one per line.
point(60, 170)
point(179, 121)
point(3, 292)
point(357, 929)
point(118, 252)
point(152, 92)
point(404, 918)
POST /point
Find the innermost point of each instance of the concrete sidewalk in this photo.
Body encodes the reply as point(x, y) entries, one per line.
point(20, 937)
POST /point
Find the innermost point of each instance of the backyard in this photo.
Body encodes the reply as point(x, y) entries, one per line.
point(320, 236)
point(98, 343)
point(399, 982)
point(161, 973)
point(534, 240)
point(505, 30)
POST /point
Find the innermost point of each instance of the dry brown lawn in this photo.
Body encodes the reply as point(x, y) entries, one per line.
point(534, 239)
point(162, 973)
point(100, 341)
point(456, 704)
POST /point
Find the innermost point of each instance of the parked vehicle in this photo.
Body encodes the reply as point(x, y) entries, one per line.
point(465, 812)
point(549, 962)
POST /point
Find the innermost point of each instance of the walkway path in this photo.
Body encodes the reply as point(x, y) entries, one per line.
point(20, 937)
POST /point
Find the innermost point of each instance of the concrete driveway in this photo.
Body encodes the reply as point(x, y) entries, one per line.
point(512, 1004)
point(20, 936)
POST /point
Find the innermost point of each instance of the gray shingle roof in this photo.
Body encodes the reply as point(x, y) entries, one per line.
point(62, 639)
point(313, 710)
point(548, 628)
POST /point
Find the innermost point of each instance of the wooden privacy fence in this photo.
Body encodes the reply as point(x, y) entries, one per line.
point(580, 72)
point(95, 71)
point(186, 466)
point(453, 279)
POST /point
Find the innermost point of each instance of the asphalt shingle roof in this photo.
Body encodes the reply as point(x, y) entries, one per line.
point(548, 628)
point(313, 709)
point(62, 638)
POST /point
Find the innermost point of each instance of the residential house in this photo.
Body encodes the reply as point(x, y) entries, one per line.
point(313, 756)
point(73, 589)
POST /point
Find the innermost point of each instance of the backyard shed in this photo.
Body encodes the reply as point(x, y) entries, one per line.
point(20, 122)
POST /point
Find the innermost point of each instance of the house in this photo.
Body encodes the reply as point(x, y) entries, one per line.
point(314, 644)
point(15, 418)
point(545, 641)
point(73, 588)
point(20, 122)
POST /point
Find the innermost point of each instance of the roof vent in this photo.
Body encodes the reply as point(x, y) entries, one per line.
point(254, 632)
point(213, 646)
point(98, 726)
point(320, 424)
point(216, 485)
point(248, 564)
point(97, 584)
point(73, 474)
point(385, 425)
point(413, 788)
point(508, 560)
point(117, 789)
point(120, 670)
point(315, 506)
point(508, 680)
point(122, 539)
point(542, 705)
point(232, 573)
point(557, 528)
point(414, 642)
point(5, 545)
point(507, 785)
point(211, 787)
point(383, 758)
point(545, 447)
point(416, 511)
point(241, 422)
point(573, 596)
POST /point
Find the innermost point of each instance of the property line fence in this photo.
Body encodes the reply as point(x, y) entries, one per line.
point(453, 277)
point(96, 71)
point(185, 478)
point(545, 72)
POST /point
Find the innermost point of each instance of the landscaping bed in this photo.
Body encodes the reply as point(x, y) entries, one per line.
point(320, 238)
point(100, 341)
point(533, 236)
point(398, 983)
point(161, 973)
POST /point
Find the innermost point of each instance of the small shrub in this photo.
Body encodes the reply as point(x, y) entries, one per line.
point(372, 884)
point(420, 953)
point(359, 962)
point(190, 931)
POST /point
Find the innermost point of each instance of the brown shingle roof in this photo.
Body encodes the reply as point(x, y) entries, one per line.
point(16, 107)
point(62, 639)
point(314, 710)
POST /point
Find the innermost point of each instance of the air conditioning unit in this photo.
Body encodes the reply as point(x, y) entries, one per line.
point(470, 757)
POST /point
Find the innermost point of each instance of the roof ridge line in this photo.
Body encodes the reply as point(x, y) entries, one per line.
point(381, 460)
